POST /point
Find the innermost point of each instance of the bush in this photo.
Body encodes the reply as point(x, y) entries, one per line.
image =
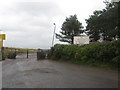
point(106, 53)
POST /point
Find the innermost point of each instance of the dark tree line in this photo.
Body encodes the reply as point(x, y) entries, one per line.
point(103, 24)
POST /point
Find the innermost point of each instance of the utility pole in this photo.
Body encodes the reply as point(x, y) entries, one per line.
point(53, 34)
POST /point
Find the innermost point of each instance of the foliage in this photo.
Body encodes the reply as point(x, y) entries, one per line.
point(103, 23)
point(101, 53)
point(70, 28)
point(63, 51)
point(118, 20)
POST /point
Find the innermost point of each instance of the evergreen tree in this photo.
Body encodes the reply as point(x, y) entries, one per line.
point(71, 27)
point(103, 23)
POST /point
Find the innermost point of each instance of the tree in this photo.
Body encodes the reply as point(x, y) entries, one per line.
point(93, 26)
point(71, 27)
point(103, 23)
point(110, 22)
point(118, 31)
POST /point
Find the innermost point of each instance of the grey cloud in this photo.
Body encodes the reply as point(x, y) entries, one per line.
point(37, 8)
point(31, 39)
point(32, 27)
point(31, 14)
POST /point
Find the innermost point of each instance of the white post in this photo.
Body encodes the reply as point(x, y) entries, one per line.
point(0, 51)
point(0, 66)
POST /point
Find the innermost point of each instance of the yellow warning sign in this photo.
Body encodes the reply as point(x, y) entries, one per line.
point(3, 36)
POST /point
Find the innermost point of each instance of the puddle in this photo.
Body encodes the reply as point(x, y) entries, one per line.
point(41, 70)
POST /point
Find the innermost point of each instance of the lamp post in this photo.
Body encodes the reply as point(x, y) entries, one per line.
point(115, 1)
point(53, 34)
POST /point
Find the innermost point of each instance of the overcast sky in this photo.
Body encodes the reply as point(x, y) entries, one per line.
point(29, 23)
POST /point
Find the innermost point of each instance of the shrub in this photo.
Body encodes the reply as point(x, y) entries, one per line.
point(107, 53)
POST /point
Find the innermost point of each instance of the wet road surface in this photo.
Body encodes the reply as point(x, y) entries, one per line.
point(30, 73)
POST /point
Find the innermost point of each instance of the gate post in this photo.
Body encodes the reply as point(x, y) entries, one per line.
point(39, 54)
point(27, 53)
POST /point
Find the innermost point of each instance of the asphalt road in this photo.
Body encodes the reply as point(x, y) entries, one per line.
point(30, 73)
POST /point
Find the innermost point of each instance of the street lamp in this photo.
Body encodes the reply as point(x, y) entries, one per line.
point(53, 34)
point(115, 1)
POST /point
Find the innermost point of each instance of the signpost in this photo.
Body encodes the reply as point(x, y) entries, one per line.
point(2, 37)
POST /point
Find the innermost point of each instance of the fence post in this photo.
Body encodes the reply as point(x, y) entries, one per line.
point(27, 53)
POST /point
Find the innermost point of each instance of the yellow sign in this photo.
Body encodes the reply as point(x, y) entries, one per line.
point(3, 36)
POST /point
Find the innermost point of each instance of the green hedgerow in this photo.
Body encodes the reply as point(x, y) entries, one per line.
point(106, 53)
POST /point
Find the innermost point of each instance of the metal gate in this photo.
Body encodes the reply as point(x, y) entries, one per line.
point(14, 53)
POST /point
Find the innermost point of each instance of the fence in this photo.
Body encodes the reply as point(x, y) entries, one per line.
point(8, 50)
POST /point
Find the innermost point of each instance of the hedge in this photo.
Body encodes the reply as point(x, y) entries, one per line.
point(107, 53)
